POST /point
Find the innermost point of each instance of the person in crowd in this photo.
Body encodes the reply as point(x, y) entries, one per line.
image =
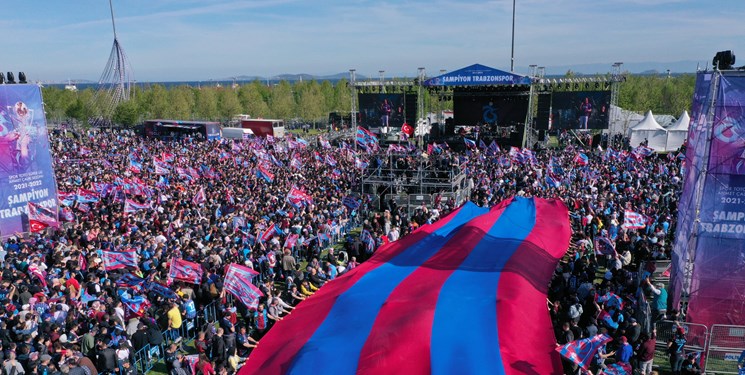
point(675, 348)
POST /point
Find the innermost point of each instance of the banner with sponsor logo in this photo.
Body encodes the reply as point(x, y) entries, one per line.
point(709, 250)
point(26, 173)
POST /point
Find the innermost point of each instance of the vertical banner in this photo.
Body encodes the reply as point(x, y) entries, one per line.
point(715, 187)
point(26, 173)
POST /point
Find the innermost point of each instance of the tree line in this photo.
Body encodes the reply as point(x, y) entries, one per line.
point(308, 100)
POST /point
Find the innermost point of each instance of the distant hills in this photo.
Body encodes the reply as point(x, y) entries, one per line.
point(675, 67)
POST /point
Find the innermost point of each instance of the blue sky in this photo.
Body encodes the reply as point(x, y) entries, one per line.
point(169, 40)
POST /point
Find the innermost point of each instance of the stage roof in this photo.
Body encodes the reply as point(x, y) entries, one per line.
point(477, 75)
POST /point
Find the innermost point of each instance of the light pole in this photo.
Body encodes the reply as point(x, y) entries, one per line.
point(420, 102)
point(512, 55)
point(353, 107)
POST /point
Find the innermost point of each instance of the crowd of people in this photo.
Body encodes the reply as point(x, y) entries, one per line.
point(279, 207)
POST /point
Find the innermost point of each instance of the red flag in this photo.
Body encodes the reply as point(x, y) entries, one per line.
point(407, 129)
point(40, 218)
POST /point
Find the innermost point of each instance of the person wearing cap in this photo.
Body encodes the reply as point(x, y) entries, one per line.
point(675, 349)
point(625, 351)
point(45, 367)
point(659, 300)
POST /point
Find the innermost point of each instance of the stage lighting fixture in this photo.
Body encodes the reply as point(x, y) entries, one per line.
point(22, 77)
point(587, 85)
point(597, 85)
point(723, 60)
point(2, 78)
point(11, 78)
point(568, 86)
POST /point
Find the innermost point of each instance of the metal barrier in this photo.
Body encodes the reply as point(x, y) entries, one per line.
point(696, 335)
point(726, 344)
point(143, 362)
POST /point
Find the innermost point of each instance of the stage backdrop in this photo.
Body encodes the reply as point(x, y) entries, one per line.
point(484, 108)
point(569, 109)
point(397, 106)
point(715, 240)
point(26, 173)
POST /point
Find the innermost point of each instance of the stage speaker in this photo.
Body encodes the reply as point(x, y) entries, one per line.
point(410, 107)
point(449, 126)
point(516, 137)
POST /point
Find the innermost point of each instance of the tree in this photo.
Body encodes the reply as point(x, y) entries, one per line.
point(206, 104)
point(282, 101)
point(252, 100)
point(228, 103)
point(78, 110)
point(311, 102)
point(182, 103)
point(127, 113)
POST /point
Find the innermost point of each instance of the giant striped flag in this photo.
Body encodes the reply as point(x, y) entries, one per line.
point(619, 368)
point(633, 220)
point(403, 310)
point(581, 351)
point(238, 283)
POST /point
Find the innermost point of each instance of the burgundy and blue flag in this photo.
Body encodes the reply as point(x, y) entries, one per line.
point(238, 283)
point(186, 271)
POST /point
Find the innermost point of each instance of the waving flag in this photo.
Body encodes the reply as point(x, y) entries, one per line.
point(138, 305)
point(617, 369)
point(114, 260)
point(604, 246)
point(633, 220)
point(359, 163)
point(552, 182)
point(297, 196)
point(366, 139)
point(135, 166)
point(130, 281)
point(580, 352)
point(159, 170)
point(581, 159)
point(87, 196)
point(35, 271)
point(470, 143)
point(291, 241)
point(325, 143)
point(296, 163)
point(493, 147)
point(610, 299)
point(185, 271)
point(499, 260)
point(238, 283)
point(133, 206)
point(268, 233)
point(200, 198)
point(330, 160)
point(350, 202)
point(65, 214)
point(40, 218)
point(642, 151)
point(607, 319)
point(160, 290)
point(66, 199)
point(264, 173)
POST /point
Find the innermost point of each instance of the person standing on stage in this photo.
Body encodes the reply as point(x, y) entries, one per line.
point(585, 110)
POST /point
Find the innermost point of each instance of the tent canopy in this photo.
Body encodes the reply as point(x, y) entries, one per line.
point(466, 294)
point(477, 75)
point(648, 123)
point(682, 123)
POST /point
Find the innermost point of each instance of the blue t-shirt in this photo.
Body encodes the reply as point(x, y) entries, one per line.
point(624, 354)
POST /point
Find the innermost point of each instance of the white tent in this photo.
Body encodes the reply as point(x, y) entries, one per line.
point(650, 130)
point(677, 132)
point(622, 120)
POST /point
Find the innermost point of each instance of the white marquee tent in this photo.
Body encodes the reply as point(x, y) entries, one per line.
point(677, 132)
point(649, 129)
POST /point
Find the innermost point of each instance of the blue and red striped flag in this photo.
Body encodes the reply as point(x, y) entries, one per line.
point(618, 369)
point(581, 351)
point(581, 159)
point(470, 143)
point(610, 299)
point(161, 290)
point(134, 206)
point(130, 281)
point(183, 270)
point(238, 283)
point(604, 246)
point(114, 260)
point(401, 307)
point(264, 173)
point(494, 147)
